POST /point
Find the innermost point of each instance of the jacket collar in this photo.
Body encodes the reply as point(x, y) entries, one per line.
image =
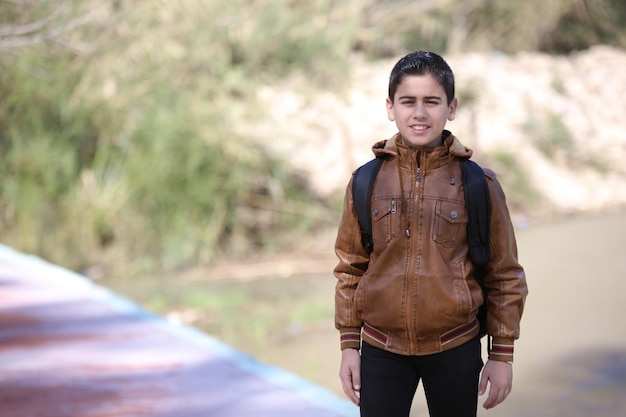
point(436, 157)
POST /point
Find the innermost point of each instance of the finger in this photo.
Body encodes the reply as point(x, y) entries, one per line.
point(482, 387)
point(492, 398)
point(356, 379)
point(496, 396)
point(348, 389)
point(350, 394)
point(500, 398)
point(503, 394)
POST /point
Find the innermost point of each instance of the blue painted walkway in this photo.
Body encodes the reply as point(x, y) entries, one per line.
point(69, 348)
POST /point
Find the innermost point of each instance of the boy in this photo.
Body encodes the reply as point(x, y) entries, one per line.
point(410, 306)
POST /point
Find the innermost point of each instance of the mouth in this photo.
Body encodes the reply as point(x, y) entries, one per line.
point(419, 128)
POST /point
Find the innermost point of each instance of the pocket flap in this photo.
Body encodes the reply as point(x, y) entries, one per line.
point(451, 212)
point(382, 208)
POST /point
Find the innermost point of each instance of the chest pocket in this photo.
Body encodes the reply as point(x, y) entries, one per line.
point(450, 223)
point(385, 219)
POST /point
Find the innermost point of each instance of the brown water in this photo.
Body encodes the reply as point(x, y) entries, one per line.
point(570, 360)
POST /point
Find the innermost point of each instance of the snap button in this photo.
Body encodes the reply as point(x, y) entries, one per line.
point(375, 212)
point(454, 214)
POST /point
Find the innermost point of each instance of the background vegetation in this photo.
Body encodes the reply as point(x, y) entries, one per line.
point(125, 137)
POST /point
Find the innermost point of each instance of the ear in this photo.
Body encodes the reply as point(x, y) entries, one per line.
point(452, 109)
point(390, 114)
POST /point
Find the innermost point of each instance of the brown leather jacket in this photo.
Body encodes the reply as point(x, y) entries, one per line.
point(416, 293)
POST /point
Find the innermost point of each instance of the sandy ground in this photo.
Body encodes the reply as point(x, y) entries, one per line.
point(571, 358)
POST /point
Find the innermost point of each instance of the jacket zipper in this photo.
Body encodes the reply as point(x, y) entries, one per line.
point(418, 178)
point(414, 265)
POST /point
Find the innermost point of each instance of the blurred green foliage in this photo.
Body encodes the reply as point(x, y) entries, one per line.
point(554, 140)
point(121, 126)
point(125, 125)
point(391, 27)
point(512, 176)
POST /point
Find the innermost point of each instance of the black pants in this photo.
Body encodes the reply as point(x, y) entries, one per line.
point(450, 378)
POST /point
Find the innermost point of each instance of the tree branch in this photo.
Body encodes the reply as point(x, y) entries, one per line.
point(53, 28)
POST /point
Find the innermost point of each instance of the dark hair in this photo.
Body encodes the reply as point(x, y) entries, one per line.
point(420, 63)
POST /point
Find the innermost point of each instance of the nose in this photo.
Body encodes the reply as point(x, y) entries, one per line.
point(420, 111)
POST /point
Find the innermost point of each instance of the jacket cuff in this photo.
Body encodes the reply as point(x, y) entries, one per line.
point(501, 350)
point(350, 337)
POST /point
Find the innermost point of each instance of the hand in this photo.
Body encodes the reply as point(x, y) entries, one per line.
point(500, 375)
point(350, 374)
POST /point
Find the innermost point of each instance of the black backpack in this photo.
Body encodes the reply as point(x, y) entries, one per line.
point(478, 209)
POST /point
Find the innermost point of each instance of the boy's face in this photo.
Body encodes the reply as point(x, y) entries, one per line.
point(420, 109)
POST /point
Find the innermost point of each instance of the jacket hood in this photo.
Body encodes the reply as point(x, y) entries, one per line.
point(451, 145)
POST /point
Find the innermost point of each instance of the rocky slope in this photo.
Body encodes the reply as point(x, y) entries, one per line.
point(560, 118)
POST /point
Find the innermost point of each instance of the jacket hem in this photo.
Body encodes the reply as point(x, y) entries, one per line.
point(446, 341)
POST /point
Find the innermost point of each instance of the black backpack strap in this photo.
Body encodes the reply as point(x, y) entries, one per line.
point(478, 207)
point(362, 184)
point(478, 210)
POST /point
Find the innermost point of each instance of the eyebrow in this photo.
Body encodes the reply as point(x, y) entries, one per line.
point(426, 98)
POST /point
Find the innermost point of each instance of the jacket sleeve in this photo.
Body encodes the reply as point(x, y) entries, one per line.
point(505, 279)
point(353, 261)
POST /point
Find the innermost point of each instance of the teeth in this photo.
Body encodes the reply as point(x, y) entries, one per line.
point(420, 127)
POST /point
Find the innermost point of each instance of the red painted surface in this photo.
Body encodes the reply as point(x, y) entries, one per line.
point(71, 349)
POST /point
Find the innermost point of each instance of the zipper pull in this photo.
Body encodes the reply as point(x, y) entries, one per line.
point(419, 174)
point(394, 208)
